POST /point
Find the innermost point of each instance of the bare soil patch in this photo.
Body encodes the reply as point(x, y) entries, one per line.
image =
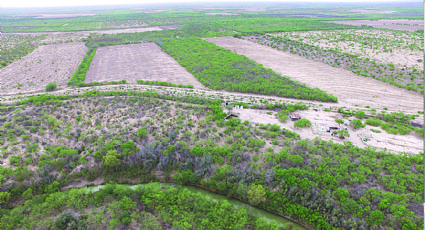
point(350, 88)
point(145, 61)
point(45, 64)
point(399, 24)
point(129, 30)
point(410, 144)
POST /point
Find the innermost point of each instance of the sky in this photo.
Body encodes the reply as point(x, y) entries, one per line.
point(59, 3)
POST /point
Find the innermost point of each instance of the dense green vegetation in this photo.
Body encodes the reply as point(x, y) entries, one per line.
point(163, 83)
point(131, 136)
point(116, 206)
point(394, 122)
point(80, 73)
point(316, 182)
point(219, 68)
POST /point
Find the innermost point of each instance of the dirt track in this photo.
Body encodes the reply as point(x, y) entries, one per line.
point(145, 61)
point(350, 88)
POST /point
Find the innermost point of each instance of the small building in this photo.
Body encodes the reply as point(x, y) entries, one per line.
point(294, 116)
point(332, 127)
point(231, 115)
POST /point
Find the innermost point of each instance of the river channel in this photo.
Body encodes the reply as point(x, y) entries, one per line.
point(253, 211)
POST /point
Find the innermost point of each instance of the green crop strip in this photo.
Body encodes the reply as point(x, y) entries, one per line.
point(80, 74)
point(219, 68)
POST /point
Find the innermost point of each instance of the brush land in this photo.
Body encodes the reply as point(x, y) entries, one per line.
point(251, 116)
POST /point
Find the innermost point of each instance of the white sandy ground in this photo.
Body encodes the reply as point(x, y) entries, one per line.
point(348, 87)
point(396, 24)
point(410, 144)
point(144, 61)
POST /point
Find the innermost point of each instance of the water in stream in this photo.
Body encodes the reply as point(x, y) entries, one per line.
point(216, 197)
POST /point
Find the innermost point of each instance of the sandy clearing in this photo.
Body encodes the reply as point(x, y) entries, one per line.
point(410, 144)
point(350, 88)
point(399, 24)
point(45, 64)
point(144, 61)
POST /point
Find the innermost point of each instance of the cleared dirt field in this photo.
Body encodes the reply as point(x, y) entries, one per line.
point(350, 88)
point(129, 30)
point(145, 61)
point(406, 48)
point(45, 64)
point(399, 24)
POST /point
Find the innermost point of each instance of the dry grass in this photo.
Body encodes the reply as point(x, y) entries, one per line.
point(145, 61)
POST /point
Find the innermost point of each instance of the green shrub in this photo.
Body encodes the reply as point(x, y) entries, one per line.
point(256, 194)
point(339, 121)
point(27, 194)
point(51, 86)
point(356, 123)
point(373, 122)
point(69, 221)
point(360, 114)
point(375, 217)
point(301, 123)
point(142, 133)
